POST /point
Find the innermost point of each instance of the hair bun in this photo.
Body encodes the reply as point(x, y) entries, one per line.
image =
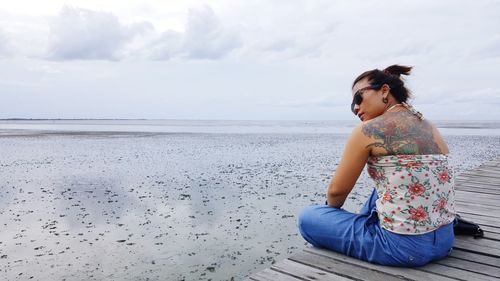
point(397, 70)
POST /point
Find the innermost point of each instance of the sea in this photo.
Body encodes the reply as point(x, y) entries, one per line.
point(175, 199)
point(483, 127)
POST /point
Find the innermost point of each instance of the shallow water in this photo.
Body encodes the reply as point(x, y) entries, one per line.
point(482, 128)
point(138, 206)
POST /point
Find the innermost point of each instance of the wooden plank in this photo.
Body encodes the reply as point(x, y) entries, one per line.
point(271, 275)
point(474, 195)
point(480, 182)
point(484, 220)
point(491, 235)
point(469, 174)
point(487, 202)
point(479, 208)
point(341, 267)
point(488, 270)
point(407, 273)
point(475, 248)
point(482, 175)
point(490, 229)
point(484, 168)
point(486, 199)
point(481, 169)
point(471, 178)
point(480, 219)
point(493, 244)
point(485, 182)
point(453, 272)
point(471, 188)
point(479, 190)
point(473, 209)
point(478, 258)
point(304, 272)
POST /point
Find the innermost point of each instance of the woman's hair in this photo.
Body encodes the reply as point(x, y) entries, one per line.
point(390, 76)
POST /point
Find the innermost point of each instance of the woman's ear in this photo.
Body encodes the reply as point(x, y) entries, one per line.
point(385, 89)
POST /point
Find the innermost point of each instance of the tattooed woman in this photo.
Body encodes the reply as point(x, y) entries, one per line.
point(408, 219)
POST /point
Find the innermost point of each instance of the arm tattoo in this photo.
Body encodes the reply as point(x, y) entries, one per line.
point(401, 135)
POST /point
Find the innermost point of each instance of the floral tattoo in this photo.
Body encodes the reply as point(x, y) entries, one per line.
point(401, 135)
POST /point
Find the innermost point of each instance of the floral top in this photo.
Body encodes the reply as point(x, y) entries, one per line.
point(415, 192)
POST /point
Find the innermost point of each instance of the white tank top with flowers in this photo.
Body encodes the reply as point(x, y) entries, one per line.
point(415, 192)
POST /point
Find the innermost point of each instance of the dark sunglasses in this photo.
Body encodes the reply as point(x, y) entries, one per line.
point(357, 99)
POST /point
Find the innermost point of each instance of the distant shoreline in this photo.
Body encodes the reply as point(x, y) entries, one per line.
point(69, 119)
point(238, 120)
point(13, 126)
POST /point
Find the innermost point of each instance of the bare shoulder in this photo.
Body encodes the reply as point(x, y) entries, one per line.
point(358, 138)
point(402, 133)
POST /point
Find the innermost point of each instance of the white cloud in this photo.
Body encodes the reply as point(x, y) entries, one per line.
point(165, 46)
point(284, 32)
point(299, 43)
point(3, 44)
point(204, 38)
point(84, 34)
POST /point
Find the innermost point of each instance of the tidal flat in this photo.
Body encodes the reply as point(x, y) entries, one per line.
point(168, 206)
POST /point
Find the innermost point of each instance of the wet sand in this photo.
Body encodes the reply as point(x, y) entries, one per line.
point(155, 206)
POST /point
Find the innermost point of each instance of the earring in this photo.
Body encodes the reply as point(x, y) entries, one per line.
point(385, 100)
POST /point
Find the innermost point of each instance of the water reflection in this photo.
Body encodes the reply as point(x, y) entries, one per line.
point(185, 206)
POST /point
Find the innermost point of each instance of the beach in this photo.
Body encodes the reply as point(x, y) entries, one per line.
point(165, 204)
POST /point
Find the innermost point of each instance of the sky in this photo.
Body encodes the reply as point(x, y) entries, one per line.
point(243, 60)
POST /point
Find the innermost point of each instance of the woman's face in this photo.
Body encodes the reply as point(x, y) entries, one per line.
point(371, 104)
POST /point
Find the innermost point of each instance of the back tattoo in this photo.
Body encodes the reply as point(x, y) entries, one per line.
point(401, 133)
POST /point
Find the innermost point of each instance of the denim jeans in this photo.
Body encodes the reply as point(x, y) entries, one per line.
point(360, 236)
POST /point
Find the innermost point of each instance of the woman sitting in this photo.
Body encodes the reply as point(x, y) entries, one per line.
point(408, 219)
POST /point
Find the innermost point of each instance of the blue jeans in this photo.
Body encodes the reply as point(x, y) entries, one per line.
point(360, 236)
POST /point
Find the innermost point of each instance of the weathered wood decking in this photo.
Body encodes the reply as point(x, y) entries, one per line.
point(477, 199)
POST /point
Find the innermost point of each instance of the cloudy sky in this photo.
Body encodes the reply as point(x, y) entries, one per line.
point(230, 59)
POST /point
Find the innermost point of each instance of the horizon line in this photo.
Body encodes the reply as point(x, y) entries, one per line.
point(199, 119)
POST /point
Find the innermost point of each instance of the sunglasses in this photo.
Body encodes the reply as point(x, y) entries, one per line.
point(357, 99)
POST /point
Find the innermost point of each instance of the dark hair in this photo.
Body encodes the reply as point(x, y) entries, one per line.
point(390, 76)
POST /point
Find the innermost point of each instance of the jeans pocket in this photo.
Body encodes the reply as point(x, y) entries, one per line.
point(411, 251)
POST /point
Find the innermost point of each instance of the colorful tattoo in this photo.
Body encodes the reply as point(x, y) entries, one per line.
point(401, 133)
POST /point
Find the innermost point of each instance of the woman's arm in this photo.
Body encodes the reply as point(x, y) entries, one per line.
point(351, 164)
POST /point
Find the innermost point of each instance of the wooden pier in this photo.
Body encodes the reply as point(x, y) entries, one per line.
point(477, 199)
